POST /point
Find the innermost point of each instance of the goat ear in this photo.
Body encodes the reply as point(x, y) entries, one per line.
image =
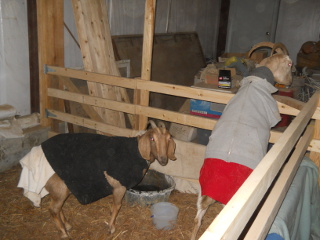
point(144, 146)
point(171, 149)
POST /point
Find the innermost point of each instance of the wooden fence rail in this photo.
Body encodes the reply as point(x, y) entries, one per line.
point(162, 114)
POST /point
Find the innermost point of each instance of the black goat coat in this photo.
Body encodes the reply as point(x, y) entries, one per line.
point(80, 160)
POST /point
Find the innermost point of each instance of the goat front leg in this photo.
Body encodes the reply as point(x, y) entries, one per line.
point(203, 204)
point(118, 194)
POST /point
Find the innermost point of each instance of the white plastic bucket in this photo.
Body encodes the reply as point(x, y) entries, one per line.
point(164, 215)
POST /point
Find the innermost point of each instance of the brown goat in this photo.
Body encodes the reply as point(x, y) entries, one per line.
point(280, 66)
point(155, 143)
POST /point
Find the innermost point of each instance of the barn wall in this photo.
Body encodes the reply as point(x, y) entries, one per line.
point(298, 23)
point(14, 56)
point(201, 16)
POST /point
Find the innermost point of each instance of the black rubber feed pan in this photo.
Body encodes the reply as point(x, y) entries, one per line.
point(155, 187)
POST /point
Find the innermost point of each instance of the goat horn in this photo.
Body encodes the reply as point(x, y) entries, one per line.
point(280, 46)
point(259, 45)
point(153, 125)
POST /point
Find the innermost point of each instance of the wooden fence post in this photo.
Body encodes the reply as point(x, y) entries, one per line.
point(142, 96)
point(51, 52)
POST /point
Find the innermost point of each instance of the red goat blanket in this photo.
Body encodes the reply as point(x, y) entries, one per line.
point(220, 180)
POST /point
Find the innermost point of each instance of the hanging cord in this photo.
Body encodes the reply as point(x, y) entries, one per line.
point(73, 37)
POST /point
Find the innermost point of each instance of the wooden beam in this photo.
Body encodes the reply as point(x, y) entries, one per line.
point(92, 101)
point(68, 84)
point(287, 106)
point(315, 156)
point(142, 96)
point(89, 123)
point(289, 101)
point(233, 218)
point(262, 223)
point(33, 55)
point(96, 46)
point(92, 77)
point(51, 51)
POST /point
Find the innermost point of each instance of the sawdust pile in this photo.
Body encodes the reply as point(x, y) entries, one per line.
point(20, 220)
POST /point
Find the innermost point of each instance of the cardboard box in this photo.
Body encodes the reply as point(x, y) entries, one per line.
point(211, 77)
point(206, 109)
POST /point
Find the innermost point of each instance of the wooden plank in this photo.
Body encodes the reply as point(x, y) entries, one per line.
point(92, 77)
point(89, 123)
point(234, 217)
point(289, 101)
point(68, 84)
point(261, 225)
point(93, 101)
point(97, 51)
point(166, 115)
point(315, 156)
point(165, 88)
point(142, 96)
point(51, 51)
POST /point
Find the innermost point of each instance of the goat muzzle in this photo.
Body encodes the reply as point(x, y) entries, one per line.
point(163, 160)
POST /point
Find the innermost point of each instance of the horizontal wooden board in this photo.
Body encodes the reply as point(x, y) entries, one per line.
point(164, 88)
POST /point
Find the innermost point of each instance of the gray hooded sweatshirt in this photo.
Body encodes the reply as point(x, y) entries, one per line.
point(242, 133)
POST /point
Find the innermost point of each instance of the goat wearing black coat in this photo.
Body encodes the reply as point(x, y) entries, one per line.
point(110, 175)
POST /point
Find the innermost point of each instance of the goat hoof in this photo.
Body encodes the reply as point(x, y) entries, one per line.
point(112, 228)
point(68, 226)
point(64, 236)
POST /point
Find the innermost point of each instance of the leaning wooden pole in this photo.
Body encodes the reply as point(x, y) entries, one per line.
point(97, 52)
point(51, 51)
point(142, 96)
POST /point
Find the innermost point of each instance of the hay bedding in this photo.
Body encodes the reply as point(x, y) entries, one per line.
point(19, 219)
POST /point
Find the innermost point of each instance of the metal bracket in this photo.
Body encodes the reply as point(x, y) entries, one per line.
point(47, 69)
point(49, 114)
